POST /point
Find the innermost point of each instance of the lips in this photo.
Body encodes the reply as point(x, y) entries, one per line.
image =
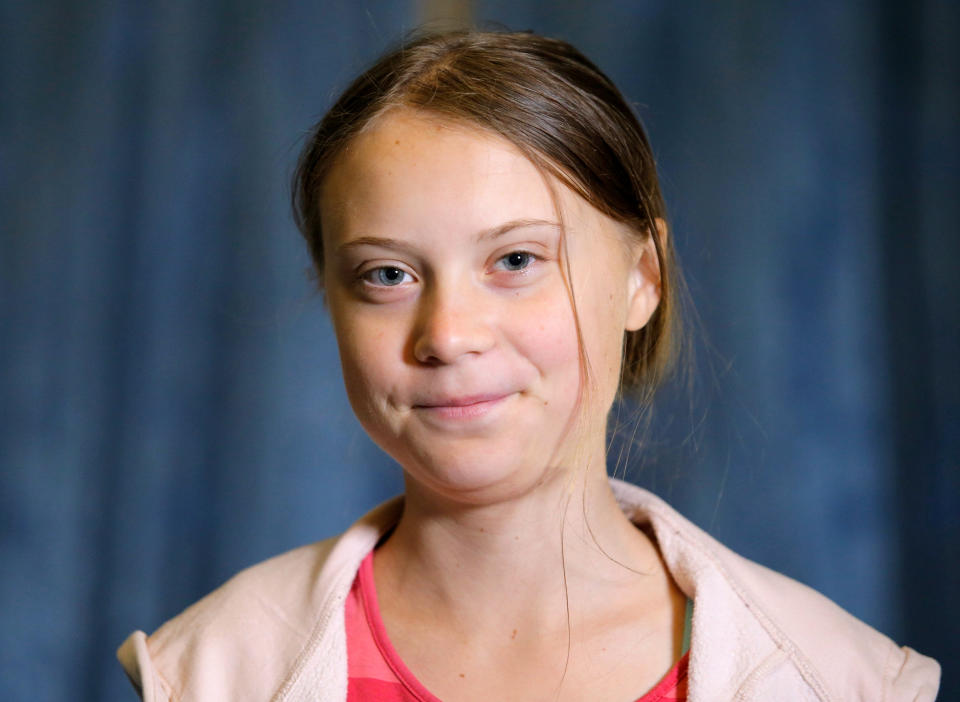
point(464, 401)
point(463, 406)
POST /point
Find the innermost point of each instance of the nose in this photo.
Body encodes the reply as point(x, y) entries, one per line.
point(453, 323)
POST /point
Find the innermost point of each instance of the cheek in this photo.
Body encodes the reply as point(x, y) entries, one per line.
point(601, 309)
point(546, 334)
point(602, 322)
point(366, 358)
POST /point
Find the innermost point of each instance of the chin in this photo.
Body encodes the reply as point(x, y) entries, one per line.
point(481, 476)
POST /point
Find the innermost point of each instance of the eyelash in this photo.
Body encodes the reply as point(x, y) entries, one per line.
point(368, 275)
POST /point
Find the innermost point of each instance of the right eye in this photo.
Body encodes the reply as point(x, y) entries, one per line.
point(387, 276)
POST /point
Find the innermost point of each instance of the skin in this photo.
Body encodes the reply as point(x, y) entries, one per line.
point(446, 279)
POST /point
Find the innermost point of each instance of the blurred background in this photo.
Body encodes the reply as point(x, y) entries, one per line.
point(171, 409)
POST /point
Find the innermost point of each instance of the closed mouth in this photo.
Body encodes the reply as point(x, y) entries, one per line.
point(464, 401)
point(463, 407)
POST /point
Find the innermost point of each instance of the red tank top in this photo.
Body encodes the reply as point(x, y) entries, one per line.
point(375, 671)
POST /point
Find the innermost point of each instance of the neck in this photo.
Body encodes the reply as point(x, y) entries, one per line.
point(536, 560)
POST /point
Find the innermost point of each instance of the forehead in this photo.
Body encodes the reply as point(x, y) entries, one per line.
point(409, 168)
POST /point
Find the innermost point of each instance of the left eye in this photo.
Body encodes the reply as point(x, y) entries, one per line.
point(387, 276)
point(516, 260)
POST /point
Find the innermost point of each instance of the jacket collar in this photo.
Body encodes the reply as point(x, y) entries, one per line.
point(735, 644)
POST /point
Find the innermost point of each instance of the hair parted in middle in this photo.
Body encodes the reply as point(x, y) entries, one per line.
point(551, 103)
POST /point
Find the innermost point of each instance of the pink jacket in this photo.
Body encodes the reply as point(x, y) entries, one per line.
point(276, 630)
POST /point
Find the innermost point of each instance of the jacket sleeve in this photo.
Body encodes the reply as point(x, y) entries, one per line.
point(913, 677)
point(135, 659)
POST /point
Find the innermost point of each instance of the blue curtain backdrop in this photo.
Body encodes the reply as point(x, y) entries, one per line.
point(170, 396)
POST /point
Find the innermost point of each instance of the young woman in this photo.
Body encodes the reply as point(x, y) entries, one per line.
point(485, 218)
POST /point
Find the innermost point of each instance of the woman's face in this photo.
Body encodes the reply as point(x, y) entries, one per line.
point(445, 279)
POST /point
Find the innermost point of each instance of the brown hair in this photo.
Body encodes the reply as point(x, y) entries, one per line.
point(550, 102)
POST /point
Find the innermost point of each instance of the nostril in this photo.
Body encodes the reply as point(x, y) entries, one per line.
point(445, 339)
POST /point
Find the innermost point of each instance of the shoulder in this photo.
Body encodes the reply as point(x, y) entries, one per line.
point(786, 633)
point(249, 638)
point(261, 616)
point(836, 653)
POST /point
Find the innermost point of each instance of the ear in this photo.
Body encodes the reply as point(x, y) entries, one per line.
point(644, 283)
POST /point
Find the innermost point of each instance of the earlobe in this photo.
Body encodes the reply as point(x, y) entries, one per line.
point(644, 290)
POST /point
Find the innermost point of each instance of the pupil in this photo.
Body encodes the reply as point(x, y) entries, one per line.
point(390, 275)
point(516, 259)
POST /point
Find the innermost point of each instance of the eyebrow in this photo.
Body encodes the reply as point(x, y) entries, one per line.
point(484, 235)
point(506, 227)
